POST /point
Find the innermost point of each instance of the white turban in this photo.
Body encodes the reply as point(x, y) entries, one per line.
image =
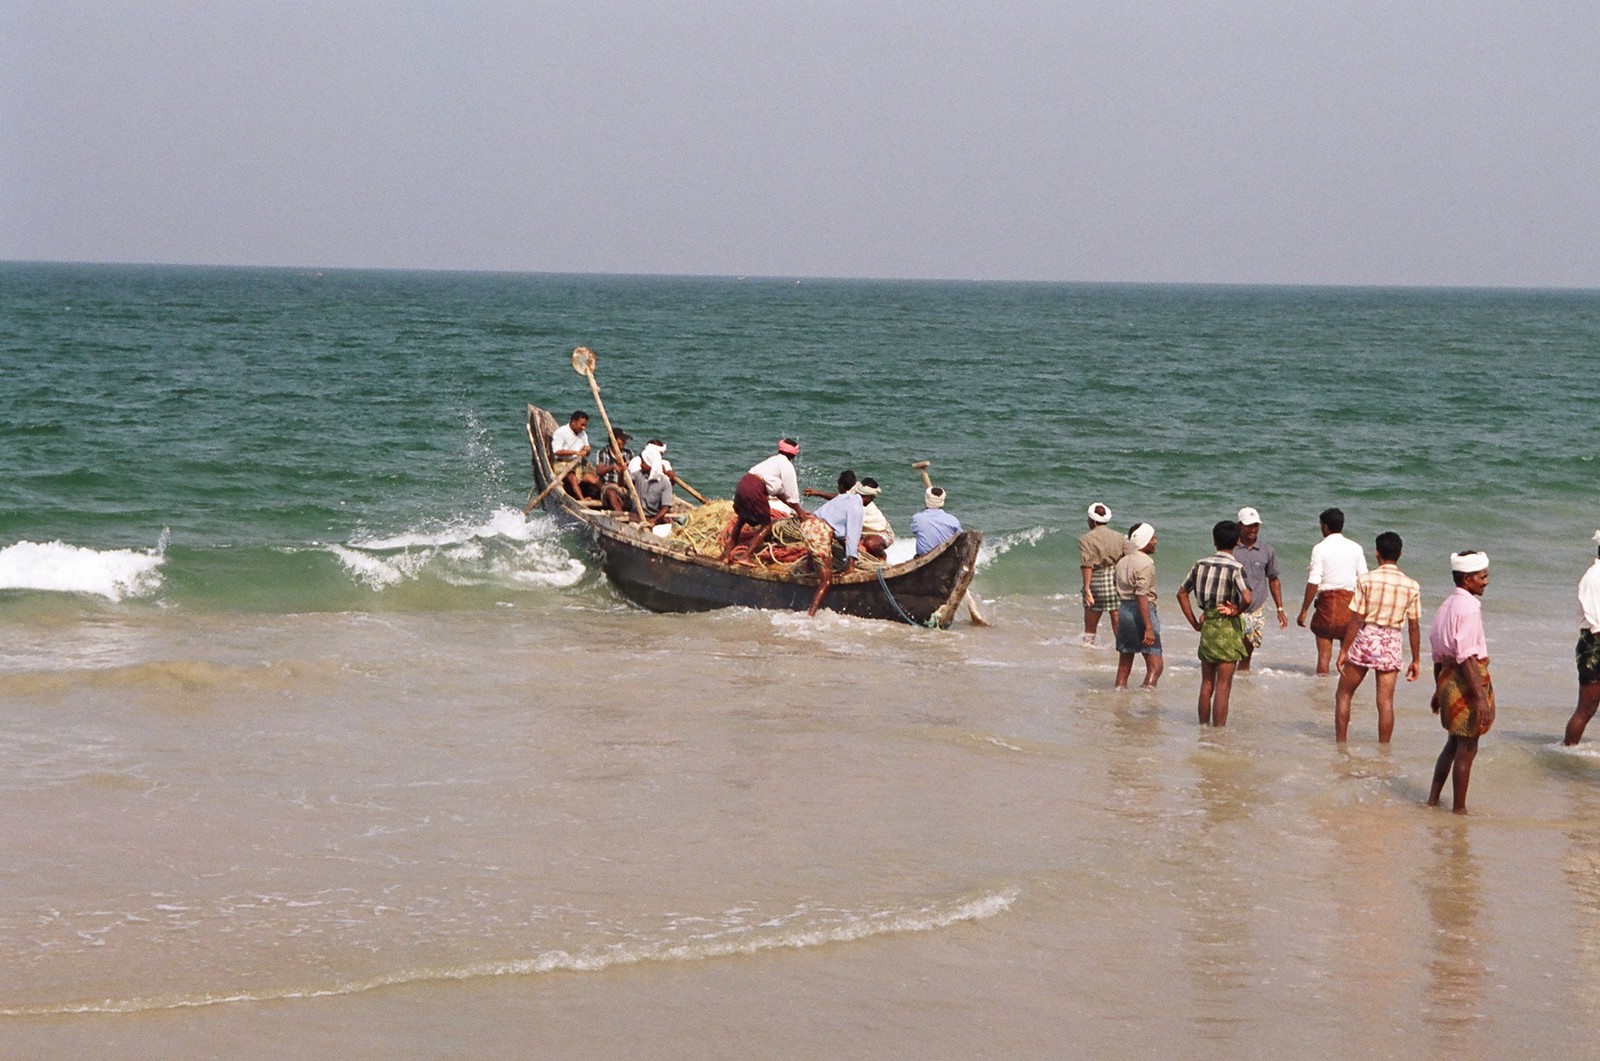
point(866, 491)
point(1099, 513)
point(651, 460)
point(1140, 536)
point(1468, 562)
point(933, 497)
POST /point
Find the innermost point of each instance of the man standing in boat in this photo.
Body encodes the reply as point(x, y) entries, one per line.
point(769, 490)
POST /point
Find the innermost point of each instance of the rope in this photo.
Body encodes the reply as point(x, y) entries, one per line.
point(896, 604)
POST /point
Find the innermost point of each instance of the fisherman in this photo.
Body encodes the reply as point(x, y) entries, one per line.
point(1222, 592)
point(876, 534)
point(570, 442)
point(1385, 600)
point(1138, 628)
point(1588, 651)
point(1260, 562)
point(1463, 696)
point(1336, 563)
point(839, 518)
point(652, 477)
point(606, 474)
point(767, 491)
point(933, 526)
point(1098, 552)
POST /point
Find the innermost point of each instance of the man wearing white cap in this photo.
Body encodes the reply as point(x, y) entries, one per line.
point(1098, 553)
point(1260, 562)
point(1463, 695)
point(1588, 651)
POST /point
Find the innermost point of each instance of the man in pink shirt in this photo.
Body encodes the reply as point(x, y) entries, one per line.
point(1463, 696)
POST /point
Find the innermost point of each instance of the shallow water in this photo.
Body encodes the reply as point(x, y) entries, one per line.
point(329, 749)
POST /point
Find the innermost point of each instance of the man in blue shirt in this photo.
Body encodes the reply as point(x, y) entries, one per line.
point(842, 517)
point(933, 526)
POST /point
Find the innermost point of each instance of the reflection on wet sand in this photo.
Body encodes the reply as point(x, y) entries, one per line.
point(1453, 997)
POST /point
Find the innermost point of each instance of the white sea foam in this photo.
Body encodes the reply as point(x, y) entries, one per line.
point(56, 567)
point(995, 547)
point(735, 933)
point(504, 550)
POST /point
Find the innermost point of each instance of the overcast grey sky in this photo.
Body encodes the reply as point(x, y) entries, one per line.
point(1287, 142)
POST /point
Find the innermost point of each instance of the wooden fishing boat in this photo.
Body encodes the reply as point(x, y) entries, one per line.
point(663, 576)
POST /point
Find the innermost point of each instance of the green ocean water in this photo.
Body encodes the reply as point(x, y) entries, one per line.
point(290, 440)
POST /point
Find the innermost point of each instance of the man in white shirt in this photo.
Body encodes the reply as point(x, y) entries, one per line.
point(1588, 651)
point(766, 492)
point(1336, 563)
point(570, 442)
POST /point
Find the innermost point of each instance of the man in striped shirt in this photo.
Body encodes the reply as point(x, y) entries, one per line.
point(1385, 600)
point(1219, 586)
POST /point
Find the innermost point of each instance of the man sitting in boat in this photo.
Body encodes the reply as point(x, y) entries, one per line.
point(933, 526)
point(877, 535)
point(652, 480)
point(569, 443)
point(607, 474)
point(767, 491)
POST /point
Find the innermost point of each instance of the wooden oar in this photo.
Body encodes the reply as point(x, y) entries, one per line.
point(697, 494)
point(561, 473)
point(583, 361)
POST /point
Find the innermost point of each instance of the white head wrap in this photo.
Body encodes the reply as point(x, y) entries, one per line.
point(1468, 562)
point(866, 491)
point(1140, 536)
point(1099, 513)
point(651, 459)
point(933, 497)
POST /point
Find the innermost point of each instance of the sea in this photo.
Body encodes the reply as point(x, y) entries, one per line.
point(311, 742)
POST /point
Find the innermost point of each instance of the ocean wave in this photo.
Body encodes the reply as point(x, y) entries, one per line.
point(506, 549)
point(998, 545)
point(57, 567)
point(737, 933)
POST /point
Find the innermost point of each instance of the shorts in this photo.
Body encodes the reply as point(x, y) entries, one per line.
point(1376, 647)
point(1588, 658)
point(1221, 638)
point(1255, 627)
point(1332, 615)
point(1103, 584)
point(1130, 631)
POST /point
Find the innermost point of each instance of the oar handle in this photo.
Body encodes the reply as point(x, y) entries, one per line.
point(555, 481)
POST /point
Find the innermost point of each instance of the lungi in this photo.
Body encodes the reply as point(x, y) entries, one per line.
point(1588, 653)
point(1255, 627)
point(1130, 631)
point(1221, 638)
point(1457, 713)
point(1103, 584)
point(750, 501)
point(1332, 614)
point(1376, 647)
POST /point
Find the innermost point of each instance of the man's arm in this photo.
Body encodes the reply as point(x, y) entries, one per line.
point(1144, 617)
point(1188, 611)
point(1352, 628)
point(1277, 598)
point(1305, 605)
point(1088, 594)
point(1416, 649)
point(1476, 691)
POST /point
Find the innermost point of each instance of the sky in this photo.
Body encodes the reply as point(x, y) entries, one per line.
point(1396, 142)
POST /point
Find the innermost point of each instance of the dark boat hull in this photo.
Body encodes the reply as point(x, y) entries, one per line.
point(644, 569)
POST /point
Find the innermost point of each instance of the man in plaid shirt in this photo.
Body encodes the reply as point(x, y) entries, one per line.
point(1218, 585)
point(1384, 601)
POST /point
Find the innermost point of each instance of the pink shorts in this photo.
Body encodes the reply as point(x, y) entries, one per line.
point(1376, 647)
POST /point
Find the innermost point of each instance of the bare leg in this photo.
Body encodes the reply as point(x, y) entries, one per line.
point(1588, 700)
point(1091, 623)
point(1153, 666)
point(1466, 751)
point(1324, 654)
point(1249, 654)
point(1441, 769)
point(1208, 682)
point(1219, 710)
point(1386, 684)
point(1350, 679)
point(1124, 668)
point(826, 564)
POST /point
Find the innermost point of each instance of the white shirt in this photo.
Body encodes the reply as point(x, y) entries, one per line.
point(565, 440)
point(1336, 563)
point(777, 472)
point(1589, 599)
